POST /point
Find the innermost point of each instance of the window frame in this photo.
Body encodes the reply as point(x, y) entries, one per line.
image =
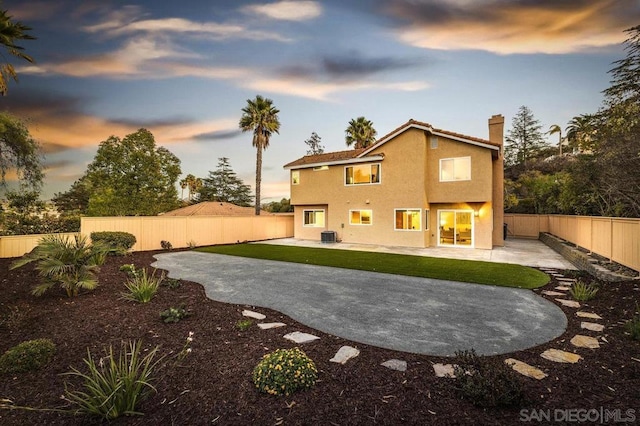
point(360, 223)
point(371, 165)
point(426, 219)
point(453, 179)
point(314, 225)
point(295, 177)
point(417, 228)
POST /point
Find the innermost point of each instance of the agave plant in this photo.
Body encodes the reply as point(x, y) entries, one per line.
point(70, 262)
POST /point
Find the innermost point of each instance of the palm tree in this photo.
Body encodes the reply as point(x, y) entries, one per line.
point(194, 186)
point(361, 133)
point(183, 184)
point(261, 118)
point(9, 33)
point(580, 131)
point(556, 129)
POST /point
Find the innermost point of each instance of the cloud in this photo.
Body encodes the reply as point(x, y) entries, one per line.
point(287, 10)
point(217, 135)
point(351, 66)
point(508, 27)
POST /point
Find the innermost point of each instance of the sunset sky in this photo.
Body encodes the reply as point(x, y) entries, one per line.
point(184, 70)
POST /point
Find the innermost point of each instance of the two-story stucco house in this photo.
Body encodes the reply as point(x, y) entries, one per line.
point(418, 186)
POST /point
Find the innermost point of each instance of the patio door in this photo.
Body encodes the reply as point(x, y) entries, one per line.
point(456, 228)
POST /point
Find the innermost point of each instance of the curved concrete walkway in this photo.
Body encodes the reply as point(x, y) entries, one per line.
point(408, 314)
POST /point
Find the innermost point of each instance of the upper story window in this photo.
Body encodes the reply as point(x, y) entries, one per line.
point(360, 217)
point(313, 218)
point(295, 177)
point(362, 174)
point(455, 169)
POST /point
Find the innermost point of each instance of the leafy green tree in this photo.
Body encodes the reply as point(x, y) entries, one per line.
point(524, 139)
point(282, 206)
point(261, 118)
point(314, 144)
point(74, 202)
point(360, 133)
point(131, 176)
point(19, 152)
point(10, 33)
point(224, 185)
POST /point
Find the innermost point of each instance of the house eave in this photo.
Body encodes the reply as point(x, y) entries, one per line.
point(337, 162)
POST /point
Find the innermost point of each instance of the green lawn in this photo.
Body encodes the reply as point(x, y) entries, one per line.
point(500, 274)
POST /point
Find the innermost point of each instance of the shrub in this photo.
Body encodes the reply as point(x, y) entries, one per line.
point(174, 314)
point(172, 283)
point(583, 292)
point(486, 382)
point(129, 269)
point(119, 243)
point(142, 287)
point(115, 385)
point(70, 262)
point(633, 327)
point(27, 356)
point(166, 245)
point(243, 324)
point(285, 371)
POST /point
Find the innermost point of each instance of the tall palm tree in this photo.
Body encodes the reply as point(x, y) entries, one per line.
point(361, 133)
point(556, 129)
point(194, 186)
point(261, 118)
point(183, 184)
point(10, 32)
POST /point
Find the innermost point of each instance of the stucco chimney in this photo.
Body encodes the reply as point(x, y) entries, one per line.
point(496, 135)
point(496, 129)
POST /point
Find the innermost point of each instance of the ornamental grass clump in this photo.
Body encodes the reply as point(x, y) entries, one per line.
point(142, 287)
point(582, 292)
point(114, 385)
point(285, 371)
point(27, 356)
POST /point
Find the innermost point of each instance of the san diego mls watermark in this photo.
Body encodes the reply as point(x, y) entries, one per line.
point(600, 415)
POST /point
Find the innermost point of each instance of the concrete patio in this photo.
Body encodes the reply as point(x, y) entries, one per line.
point(527, 252)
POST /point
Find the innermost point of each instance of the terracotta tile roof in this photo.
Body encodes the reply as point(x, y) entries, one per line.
point(326, 157)
point(214, 208)
point(355, 153)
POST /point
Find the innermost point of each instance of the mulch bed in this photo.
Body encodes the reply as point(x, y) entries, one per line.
point(213, 385)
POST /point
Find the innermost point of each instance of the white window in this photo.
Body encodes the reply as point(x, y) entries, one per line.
point(455, 169)
point(313, 218)
point(362, 174)
point(360, 217)
point(295, 177)
point(408, 220)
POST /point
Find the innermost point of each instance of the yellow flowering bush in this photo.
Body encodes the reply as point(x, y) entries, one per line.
point(285, 371)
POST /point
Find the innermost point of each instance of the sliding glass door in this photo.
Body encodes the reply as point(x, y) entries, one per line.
point(456, 228)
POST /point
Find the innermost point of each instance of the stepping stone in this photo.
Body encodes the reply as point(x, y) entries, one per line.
point(557, 355)
point(395, 364)
point(299, 337)
point(591, 326)
point(344, 354)
point(585, 342)
point(443, 370)
point(525, 369)
point(588, 315)
point(563, 288)
point(568, 280)
point(552, 293)
point(569, 303)
point(268, 325)
point(251, 314)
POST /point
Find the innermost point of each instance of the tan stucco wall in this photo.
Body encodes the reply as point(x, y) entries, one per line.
point(409, 180)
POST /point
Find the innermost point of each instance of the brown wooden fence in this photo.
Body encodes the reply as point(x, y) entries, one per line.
point(179, 231)
point(615, 238)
